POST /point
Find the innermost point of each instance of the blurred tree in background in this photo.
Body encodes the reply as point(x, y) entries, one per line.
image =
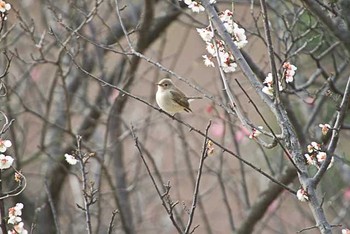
point(78, 89)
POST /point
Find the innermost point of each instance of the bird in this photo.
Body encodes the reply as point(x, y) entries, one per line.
point(172, 100)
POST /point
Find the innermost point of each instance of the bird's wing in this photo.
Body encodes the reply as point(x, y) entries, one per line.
point(181, 100)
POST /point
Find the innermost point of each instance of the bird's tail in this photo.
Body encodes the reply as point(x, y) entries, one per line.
point(192, 98)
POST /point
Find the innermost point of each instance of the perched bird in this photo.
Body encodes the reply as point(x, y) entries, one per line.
point(170, 99)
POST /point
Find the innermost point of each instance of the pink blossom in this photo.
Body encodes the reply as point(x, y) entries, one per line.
point(218, 128)
point(289, 71)
point(346, 194)
point(241, 134)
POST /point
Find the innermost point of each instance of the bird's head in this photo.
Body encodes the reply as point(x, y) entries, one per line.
point(165, 84)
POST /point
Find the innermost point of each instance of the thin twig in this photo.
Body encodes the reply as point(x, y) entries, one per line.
point(2, 209)
point(270, 50)
point(52, 207)
point(110, 226)
point(267, 124)
point(19, 189)
point(199, 176)
point(335, 134)
point(87, 199)
point(169, 209)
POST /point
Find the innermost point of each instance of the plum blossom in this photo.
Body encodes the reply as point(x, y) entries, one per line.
point(238, 34)
point(240, 37)
point(315, 156)
point(309, 159)
point(345, 231)
point(268, 79)
point(269, 84)
point(227, 62)
point(268, 90)
point(16, 210)
point(227, 20)
point(302, 195)
point(218, 128)
point(211, 49)
point(4, 144)
point(217, 47)
point(195, 6)
point(15, 219)
point(241, 133)
point(321, 157)
point(4, 6)
point(207, 61)
point(313, 147)
point(289, 71)
point(324, 128)
point(255, 132)
point(5, 161)
point(70, 159)
point(18, 229)
point(205, 33)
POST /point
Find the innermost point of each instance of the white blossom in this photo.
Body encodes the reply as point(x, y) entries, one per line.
point(4, 144)
point(196, 7)
point(4, 6)
point(302, 195)
point(313, 147)
point(269, 79)
point(19, 228)
point(211, 49)
point(256, 132)
point(207, 61)
point(5, 161)
point(268, 90)
point(70, 159)
point(205, 33)
point(239, 34)
point(309, 159)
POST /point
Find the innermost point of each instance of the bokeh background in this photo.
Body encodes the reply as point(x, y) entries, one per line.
point(59, 49)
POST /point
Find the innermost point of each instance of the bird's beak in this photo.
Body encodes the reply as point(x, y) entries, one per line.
point(158, 84)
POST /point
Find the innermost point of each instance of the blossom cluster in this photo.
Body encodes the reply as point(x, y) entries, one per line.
point(5, 161)
point(289, 72)
point(16, 220)
point(196, 6)
point(217, 48)
point(4, 7)
point(316, 156)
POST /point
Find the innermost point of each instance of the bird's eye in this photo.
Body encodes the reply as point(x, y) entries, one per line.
point(165, 85)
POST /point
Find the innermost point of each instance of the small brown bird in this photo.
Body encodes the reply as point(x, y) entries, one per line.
point(170, 99)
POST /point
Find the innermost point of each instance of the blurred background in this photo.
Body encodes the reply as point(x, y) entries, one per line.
point(66, 56)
